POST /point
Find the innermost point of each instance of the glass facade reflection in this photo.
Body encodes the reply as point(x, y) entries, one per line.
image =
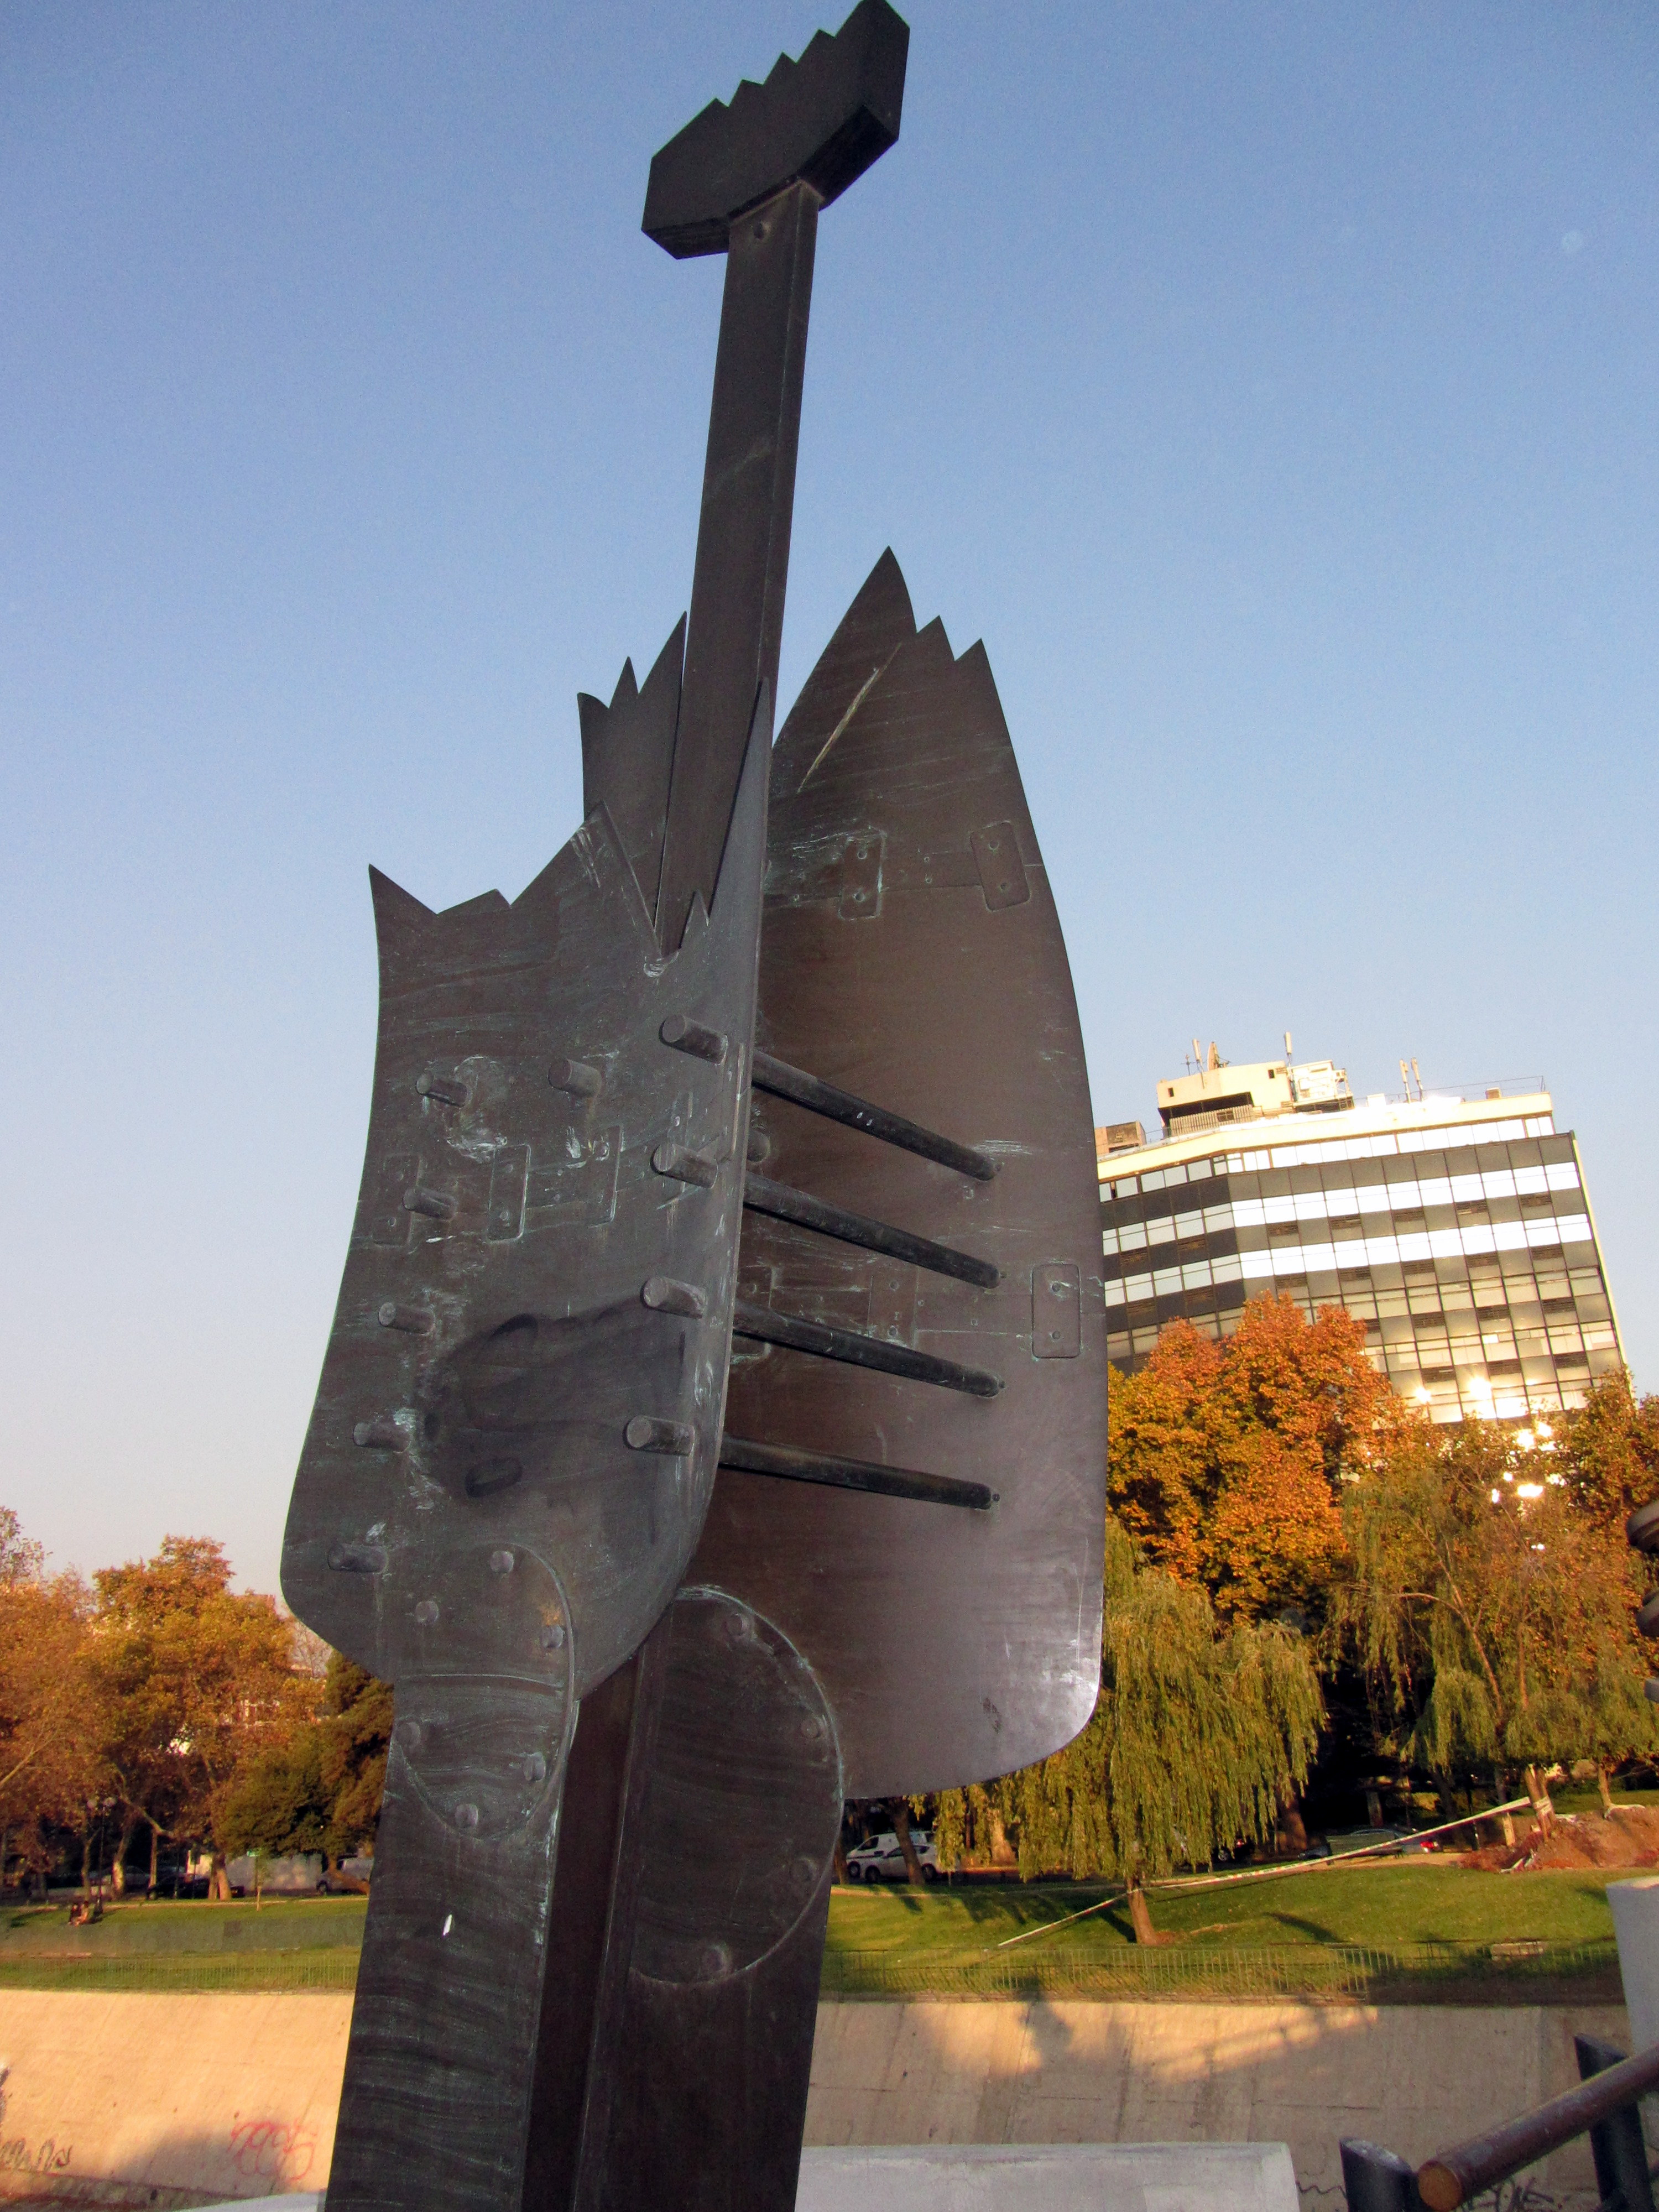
point(1459, 1233)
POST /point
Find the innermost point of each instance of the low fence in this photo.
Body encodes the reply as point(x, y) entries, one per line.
point(1426, 1972)
point(1421, 1974)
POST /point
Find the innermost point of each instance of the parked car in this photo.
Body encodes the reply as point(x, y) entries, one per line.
point(882, 1860)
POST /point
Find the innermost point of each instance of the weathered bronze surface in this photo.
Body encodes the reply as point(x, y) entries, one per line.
point(648, 1632)
point(911, 954)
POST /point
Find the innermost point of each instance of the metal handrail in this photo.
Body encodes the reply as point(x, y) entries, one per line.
point(1452, 2177)
point(1603, 2107)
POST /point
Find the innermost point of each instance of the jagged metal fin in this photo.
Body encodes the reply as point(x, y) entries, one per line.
point(823, 119)
point(911, 953)
point(628, 753)
point(401, 923)
point(878, 621)
point(745, 839)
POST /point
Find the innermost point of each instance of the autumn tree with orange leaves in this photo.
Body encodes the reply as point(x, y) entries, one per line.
point(1228, 1462)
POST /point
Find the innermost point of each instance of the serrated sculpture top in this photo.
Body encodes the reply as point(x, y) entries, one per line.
point(821, 120)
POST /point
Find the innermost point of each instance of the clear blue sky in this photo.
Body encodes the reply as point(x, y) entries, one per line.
point(1272, 386)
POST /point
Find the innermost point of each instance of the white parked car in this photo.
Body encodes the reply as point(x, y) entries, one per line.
point(881, 1859)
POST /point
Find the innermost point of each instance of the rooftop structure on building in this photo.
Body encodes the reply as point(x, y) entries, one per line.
point(1455, 1225)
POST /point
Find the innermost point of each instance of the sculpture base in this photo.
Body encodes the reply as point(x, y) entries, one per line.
point(1058, 2177)
point(1015, 2177)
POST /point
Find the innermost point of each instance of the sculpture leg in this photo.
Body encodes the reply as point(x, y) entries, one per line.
point(692, 2082)
point(435, 2104)
point(595, 1892)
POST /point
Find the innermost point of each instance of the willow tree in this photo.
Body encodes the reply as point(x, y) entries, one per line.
point(1197, 1736)
point(1491, 1604)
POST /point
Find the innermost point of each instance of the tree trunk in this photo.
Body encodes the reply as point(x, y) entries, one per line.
point(1140, 1918)
point(1603, 1784)
point(85, 1864)
point(129, 1822)
point(1002, 1852)
point(913, 1873)
point(1373, 1808)
point(1543, 1811)
point(155, 1857)
point(1291, 1826)
point(840, 1860)
point(219, 1880)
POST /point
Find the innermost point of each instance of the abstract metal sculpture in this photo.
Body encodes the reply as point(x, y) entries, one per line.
point(699, 1443)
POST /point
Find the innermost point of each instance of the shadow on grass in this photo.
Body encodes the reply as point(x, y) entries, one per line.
point(1316, 1931)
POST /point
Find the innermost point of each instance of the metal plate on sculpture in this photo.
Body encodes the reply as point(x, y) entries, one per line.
point(486, 1361)
point(747, 1757)
point(951, 1646)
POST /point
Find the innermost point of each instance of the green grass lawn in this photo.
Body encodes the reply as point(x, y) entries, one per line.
point(1390, 1907)
point(1316, 1932)
point(169, 1927)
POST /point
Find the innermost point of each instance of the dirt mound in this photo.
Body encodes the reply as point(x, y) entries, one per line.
point(1626, 1838)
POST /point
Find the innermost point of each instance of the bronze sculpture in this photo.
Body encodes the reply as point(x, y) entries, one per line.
point(713, 1423)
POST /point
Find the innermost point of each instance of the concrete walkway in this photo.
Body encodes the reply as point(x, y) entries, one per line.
point(160, 2102)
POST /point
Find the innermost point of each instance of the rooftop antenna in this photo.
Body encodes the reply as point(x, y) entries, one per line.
point(1287, 1044)
point(1214, 1062)
point(1198, 1057)
point(1418, 1073)
point(1405, 1077)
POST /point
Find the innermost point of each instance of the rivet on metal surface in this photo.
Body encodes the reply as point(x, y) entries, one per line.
point(684, 1167)
point(426, 1612)
point(381, 1434)
point(577, 1077)
point(645, 1434)
point(494, 1474)
point(415, 1321)
point(716, 1959)
point(535, 1768)
point(759, 1147)
point(687, 1036)
point(811, 1728)
point(502, 1563)
point(739, 1627)
point(436, 1205)
point(447, 1090)
point(466, 1816)
point(664, 1295)
point(357, 1558)
point(553, 1636)
point(408, 1735)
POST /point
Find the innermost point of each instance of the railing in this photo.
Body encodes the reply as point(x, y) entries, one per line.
point(1604, 2106)
point(1424, 1973)
point(1427, 1971)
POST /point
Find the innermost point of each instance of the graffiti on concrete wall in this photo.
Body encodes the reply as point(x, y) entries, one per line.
point(273, 2150)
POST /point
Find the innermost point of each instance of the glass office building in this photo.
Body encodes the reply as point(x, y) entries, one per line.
point(1458, 1231)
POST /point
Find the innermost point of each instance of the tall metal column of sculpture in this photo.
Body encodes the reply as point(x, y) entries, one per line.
point(705, 1435)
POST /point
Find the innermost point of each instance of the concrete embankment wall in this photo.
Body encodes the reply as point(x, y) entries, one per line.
point(159, 2103)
